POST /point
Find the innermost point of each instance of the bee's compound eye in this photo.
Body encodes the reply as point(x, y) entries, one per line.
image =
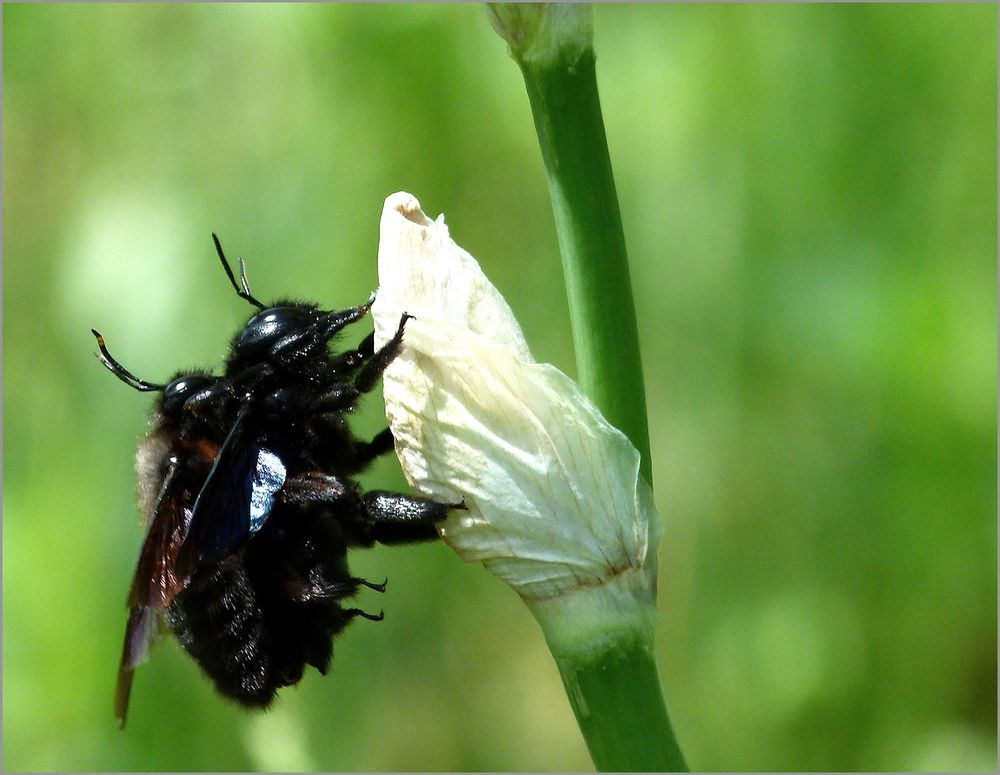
point(181, 389)
point(267, 327)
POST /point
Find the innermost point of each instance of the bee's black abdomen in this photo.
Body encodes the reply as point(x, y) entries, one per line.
point(255, 620)
point(304, 637)
point(218, 621)
point(298, 563)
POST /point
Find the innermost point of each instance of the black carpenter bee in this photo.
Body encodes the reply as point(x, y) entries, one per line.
point(244, 484)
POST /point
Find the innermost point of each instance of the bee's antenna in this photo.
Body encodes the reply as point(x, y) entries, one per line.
point(244, 292)
point(120, 371)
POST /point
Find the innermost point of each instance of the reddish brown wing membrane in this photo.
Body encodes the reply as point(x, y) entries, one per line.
point(154, 585)
point(143, 628)
point(156, 580)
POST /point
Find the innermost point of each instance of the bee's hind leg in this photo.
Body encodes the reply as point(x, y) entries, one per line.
point(393, 518)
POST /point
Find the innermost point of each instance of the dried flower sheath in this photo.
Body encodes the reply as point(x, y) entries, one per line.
point(556, 505)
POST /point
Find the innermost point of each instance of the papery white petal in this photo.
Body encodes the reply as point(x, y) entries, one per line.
point(423, 271)
point(555, 500)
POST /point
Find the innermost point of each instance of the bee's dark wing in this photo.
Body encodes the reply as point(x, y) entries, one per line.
point(144, 627)
point(154, 584)
point(156, 580)
point(235, 500)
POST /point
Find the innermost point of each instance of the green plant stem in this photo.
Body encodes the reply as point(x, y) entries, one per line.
point(562, 90)
point(602, 641)
point(612, 679)
point(618, 682)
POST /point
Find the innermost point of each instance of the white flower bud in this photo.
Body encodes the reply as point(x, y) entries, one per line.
point(556, 505)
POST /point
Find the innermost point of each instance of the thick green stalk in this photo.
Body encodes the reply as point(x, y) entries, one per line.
point(602, 641)
point(619, 682)
point(551, 45)
point(607, 664)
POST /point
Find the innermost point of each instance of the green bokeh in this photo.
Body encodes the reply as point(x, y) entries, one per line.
point(809, 197)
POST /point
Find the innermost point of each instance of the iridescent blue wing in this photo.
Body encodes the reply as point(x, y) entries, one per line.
point(234, 501)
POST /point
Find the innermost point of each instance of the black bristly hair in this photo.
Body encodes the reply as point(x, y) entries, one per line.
point(245, 483)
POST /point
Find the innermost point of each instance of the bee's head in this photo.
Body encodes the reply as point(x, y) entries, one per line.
point(183, 389)
point(285, 330)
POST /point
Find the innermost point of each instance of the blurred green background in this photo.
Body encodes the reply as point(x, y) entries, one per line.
point(809, 197)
